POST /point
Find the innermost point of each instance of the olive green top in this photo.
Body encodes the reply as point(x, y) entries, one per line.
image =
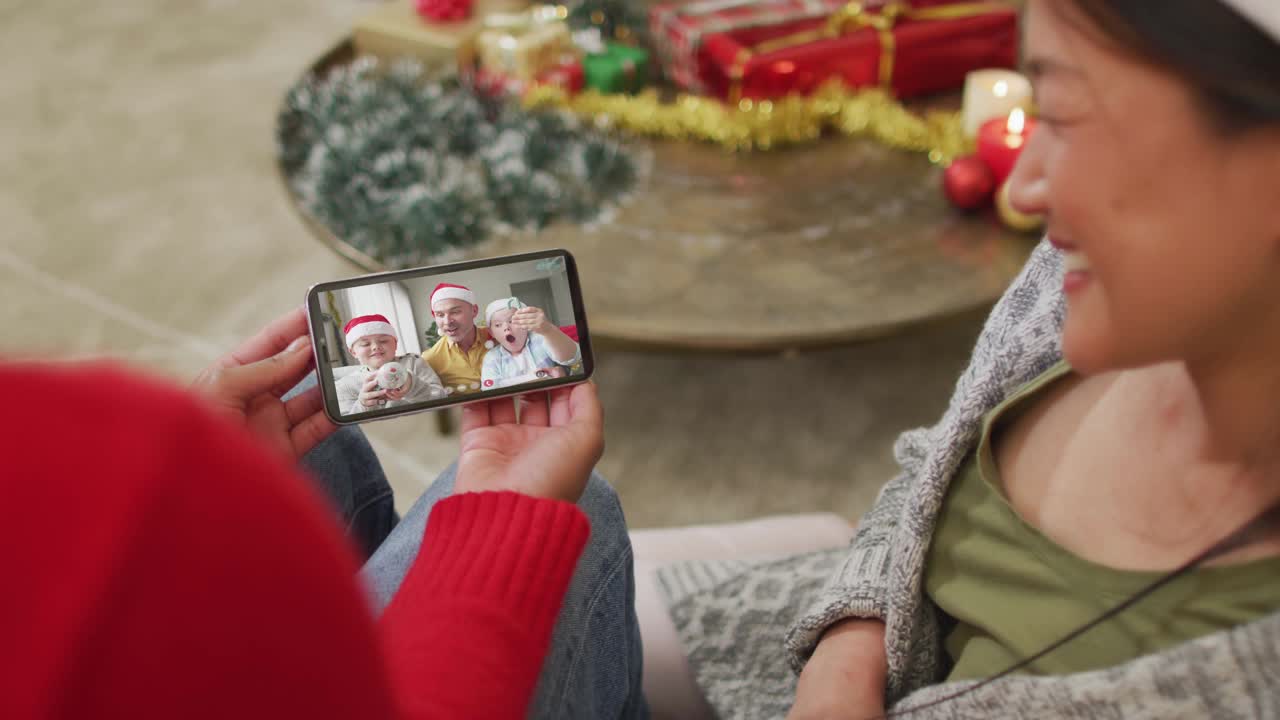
point(1012, 591)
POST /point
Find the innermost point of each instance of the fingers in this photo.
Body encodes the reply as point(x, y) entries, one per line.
point(475, 415)
point(560, 411)
point(503, 411)
point(300, 358)
point(308, 433)
point(588, 420)
point(276, 374)
point(528, 318)
point(584, 405)
point(578, 408)
point(270, 340)
point(303, 406)
point(567, 462)
point(534, 410)
point(579, 404)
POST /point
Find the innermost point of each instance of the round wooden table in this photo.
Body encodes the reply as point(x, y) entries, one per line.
point(834, 242)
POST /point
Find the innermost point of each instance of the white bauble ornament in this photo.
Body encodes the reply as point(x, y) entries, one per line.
point(392, 376)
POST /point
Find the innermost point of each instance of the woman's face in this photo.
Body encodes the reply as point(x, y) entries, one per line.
point(1171, 231)
point(373, 351)
point(510, 337)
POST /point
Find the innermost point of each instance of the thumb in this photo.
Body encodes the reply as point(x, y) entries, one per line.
point(587, 421)
point(276, 374)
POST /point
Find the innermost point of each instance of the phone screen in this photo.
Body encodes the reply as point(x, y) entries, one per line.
point(412, 340)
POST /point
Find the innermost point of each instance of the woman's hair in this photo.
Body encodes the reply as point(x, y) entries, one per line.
point(1231, 63)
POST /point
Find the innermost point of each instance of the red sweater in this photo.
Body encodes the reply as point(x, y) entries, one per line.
point(157, 561)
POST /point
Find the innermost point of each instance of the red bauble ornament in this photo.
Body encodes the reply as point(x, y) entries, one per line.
point(968, 182)
point(445, 10)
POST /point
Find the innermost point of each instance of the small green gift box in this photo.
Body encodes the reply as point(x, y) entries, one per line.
point(619, 69)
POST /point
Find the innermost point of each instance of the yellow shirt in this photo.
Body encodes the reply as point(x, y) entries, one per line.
point(459, 370)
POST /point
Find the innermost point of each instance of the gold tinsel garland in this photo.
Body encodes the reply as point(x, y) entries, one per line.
point(767, 124)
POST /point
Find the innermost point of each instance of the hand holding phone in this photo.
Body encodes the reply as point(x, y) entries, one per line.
point(550, 452)
point(248, 384)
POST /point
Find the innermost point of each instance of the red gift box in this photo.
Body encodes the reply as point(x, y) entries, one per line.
point(912, 49)
point(679, 27)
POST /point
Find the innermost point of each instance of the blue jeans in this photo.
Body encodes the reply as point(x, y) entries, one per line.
point(348, 472)
point(592, 670)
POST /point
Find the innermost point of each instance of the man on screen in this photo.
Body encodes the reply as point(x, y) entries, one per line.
point(458, 356)
point(530, 347)
point(385, 379)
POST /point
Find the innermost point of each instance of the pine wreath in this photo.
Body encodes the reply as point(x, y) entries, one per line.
point(411, 169)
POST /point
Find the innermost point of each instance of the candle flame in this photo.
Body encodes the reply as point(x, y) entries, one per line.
point(1017, 121)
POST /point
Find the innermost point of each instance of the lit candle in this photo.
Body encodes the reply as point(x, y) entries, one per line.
point(1000, 142)
point(992, 93)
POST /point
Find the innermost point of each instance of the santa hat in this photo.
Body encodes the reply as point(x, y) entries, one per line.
point(511, 303)
point(367, 325)
point(449, 291)
point(1264, 13)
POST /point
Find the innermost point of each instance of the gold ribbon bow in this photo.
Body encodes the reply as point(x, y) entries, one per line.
point(852, 18)
point(504, 41)
point(525, 20)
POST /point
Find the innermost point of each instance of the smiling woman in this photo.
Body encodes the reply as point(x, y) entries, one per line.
point(1118, 419)
point(1159, 134)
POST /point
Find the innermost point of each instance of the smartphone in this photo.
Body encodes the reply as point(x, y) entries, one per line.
point(406, 341)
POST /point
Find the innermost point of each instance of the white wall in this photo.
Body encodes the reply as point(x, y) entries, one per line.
point(391, 300)
point(490, 284)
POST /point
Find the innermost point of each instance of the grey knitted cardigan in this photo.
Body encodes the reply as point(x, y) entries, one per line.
point(748, 628)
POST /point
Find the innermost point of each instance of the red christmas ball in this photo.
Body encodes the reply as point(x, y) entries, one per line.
point(968, 182)
point(445, 10)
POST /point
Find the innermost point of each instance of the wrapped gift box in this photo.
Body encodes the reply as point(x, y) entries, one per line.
point(787, 46)
point(524, 45)
point(395, 30)
point(911, 51)
point(678, 28)
point(619, 69)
